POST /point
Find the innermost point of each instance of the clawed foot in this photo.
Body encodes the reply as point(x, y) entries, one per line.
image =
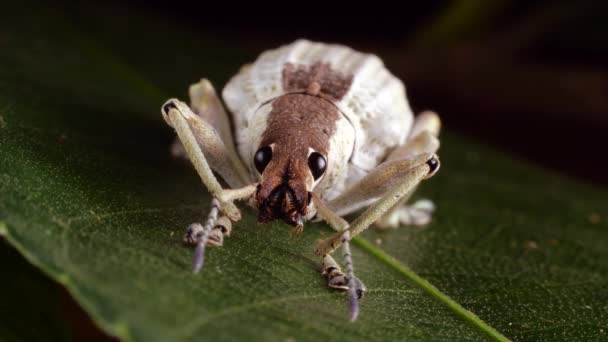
point(193, 233)
point(215, 238)
point(210, 234)
point(336, 279)
point(222, 228)
point(214, 230)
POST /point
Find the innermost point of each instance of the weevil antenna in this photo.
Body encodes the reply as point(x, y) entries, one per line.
point(199, 253)
point(355, 287)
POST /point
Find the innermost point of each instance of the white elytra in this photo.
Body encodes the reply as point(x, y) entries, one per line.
point(376, 114)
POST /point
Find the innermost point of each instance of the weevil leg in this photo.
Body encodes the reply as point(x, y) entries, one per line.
point(392, 183)
point(371, 188)
point(403, 177)
point(215, 238)
point(179, 116)
point(220, 152)
point(335, 277)
point(221, 229)
point(211, 234)
point(422, 141)
point(201, 235)
point(420, 167)
point(205, 102)
point(333, 272)
point(215, 229)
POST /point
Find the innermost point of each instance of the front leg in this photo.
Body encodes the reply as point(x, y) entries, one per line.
point(214, 237)
point(420, 145)
point(422, 139)
point(179, 116)
point(403, 176)
point(210, 126)
point(335, 277)
point(419, 168)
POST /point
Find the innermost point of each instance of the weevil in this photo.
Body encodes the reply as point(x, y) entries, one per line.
point(315, 131)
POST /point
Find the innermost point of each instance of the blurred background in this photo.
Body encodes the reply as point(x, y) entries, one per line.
point(528, 76)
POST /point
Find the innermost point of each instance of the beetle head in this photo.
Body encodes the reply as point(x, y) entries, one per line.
point(292, 156)
point(288, 178)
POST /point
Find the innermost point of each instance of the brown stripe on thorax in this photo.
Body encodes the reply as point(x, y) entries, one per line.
point(331, 83)
point(299, 121)
point(304, 117)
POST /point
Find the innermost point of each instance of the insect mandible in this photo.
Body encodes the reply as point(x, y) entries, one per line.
point(320, 131)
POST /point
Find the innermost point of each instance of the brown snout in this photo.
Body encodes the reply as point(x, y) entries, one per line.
point(283, 202)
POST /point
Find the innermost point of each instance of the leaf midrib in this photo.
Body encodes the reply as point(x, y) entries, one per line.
point(429, 288)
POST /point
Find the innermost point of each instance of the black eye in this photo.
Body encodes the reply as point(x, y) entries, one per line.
point(262, 158)
point(317, 164)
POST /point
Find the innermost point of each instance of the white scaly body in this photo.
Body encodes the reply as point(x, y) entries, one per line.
point(377, 154)
point(376, 114)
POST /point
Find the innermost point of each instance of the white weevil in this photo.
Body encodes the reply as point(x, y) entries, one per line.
point(320, 131)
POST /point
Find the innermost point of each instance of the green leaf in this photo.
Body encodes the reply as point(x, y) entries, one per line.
point(92, 198)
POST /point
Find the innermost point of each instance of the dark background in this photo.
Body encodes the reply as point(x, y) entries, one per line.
point(528, 77)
